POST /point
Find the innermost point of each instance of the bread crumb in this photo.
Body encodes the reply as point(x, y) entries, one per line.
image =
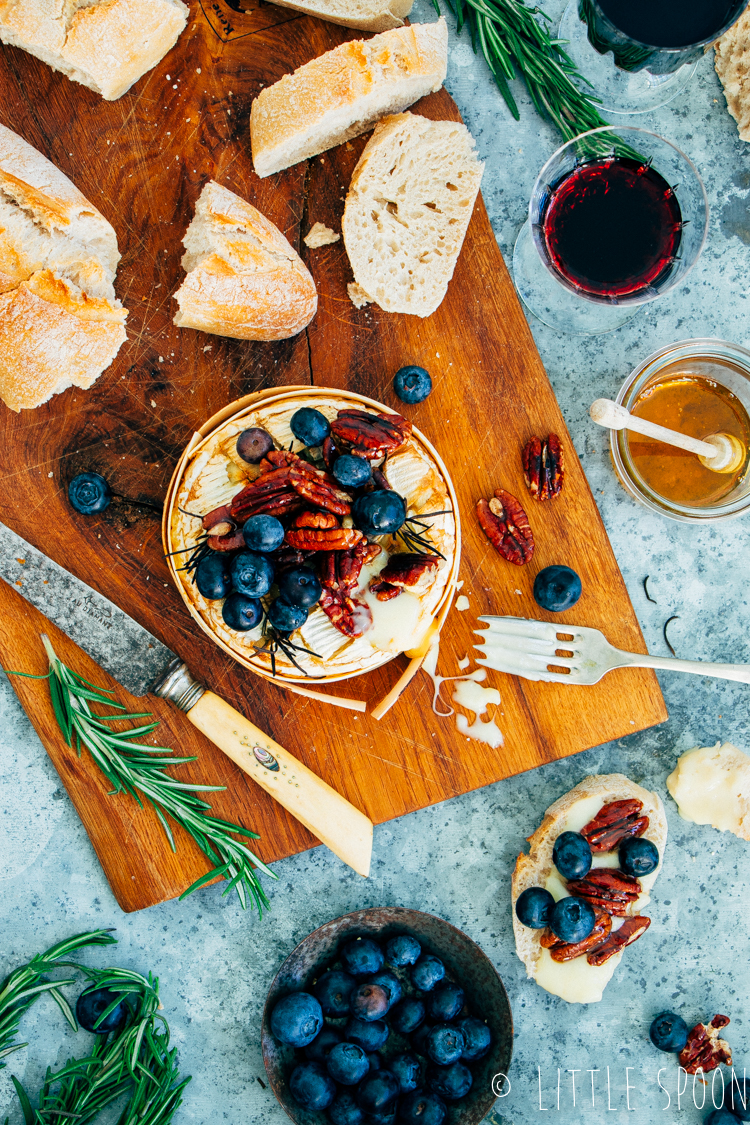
point(357, 295)
point(320, 235)
point(732, 61)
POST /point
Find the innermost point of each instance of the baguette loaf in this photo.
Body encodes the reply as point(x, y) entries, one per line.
point(407, 211)
point(576, 981)
point(60, 323)
point(244, 280)
point(344, 92)
point(364, 15)
point(103, 44)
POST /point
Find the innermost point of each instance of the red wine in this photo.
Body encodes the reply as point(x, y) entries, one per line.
point(671, 23)
point(612, 227)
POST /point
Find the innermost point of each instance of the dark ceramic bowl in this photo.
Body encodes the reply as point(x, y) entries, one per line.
point(465, 963)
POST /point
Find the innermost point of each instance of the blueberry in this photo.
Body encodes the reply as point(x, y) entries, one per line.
point(332, 991)
point(311, 1086)
point(379, 513)
point(720, 1117)
point(297, 1019)
point(420, 1037)
point(406, 1068)
point(241, 613)
point(212, 576)
point(739, 1098)
point(427, 972)
point(450, 1082)
point(557, 588)
point(89, 493)
point(254, 444)
point(387, 1117)
point(668, 1032)
point(369, 1036)
point(445, 1044)
point(286, 617)
point(572, 919)
point(445, 1001)
point(323, 1044)
point(93, 1003)
point(309, 426)
point(263, 533)
point(344, 1110)
point(362, 957)
point(391, 984)
point(378, 1091)
point(412, 384)
point(251, 574)
point(477, 1038)
point(351, 471)
point(422, 1109)
point(571, 855)
point(374, 1061)
point(300, 587)
point(402, 950)
point(533, 907)
point(638, 856)
point(369, 1002)
point(347, 1063)
point(407, 1015)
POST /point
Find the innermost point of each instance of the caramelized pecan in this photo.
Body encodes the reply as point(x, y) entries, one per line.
point(383, 591)
point(320, 492)
point(323, 539)
point(369, 435)
point(543, 467)
point(564, 951)
point(340, 570)
point(218, 515)
point(329, 454)
point(231, 542)
point(610, 890)
point(506, 525)
point(317, 520)
point(271, 494)
point(704, 1049)
point(614, 822)
point(407, 569)
point(629, 931)
point(348, 615)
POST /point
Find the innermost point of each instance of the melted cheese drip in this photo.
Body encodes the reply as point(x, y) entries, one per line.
point(467, 694)
point(711, 785)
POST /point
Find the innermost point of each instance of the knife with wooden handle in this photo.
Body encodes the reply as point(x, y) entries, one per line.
point(142, 664)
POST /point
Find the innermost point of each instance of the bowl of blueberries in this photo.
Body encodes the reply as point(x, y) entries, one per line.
point(386, 1017)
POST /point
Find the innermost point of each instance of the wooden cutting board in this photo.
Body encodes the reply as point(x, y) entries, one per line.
point(143, 161)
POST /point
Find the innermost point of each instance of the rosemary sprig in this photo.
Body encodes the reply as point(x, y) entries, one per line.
point(137, 769)
point(511, 38)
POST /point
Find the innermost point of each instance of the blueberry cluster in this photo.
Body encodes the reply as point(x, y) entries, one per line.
point(382, 1037)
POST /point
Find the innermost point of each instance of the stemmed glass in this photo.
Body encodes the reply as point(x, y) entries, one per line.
point(617, 217)
point(655, 46)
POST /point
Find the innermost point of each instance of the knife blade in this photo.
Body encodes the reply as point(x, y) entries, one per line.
point(142, 663)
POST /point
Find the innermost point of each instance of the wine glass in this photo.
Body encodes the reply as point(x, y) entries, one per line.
point(617, 217)
point(655, 46)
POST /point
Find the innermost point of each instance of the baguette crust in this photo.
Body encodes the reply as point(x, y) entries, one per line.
point(363, 15)
point(732, 62)
point(534, 869)
point(344, 92)
point(244, 278)
point(106, 45)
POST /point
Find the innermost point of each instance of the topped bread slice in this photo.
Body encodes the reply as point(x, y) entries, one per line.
point(344, 92)
point(365, 15)
point(409, 205)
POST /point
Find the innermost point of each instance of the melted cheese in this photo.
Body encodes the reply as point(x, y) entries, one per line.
point(575, 981)
point(711, 785)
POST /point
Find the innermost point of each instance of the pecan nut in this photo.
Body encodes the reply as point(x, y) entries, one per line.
point(340, 570)
point(369, 435)
point(409, 570)
point(629, 931)
point(565, 951)
point(349, 616)
point(323, 539)
point(704, 1049)
point(320, 492)
point(506, 525)
point(383, 591)
point(319, 520)
point(230, 542)
point(543, 467)
point(613, 891)
point(216, 516)
point(614, 823)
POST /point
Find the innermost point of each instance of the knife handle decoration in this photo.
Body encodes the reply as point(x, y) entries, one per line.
point(328, 815)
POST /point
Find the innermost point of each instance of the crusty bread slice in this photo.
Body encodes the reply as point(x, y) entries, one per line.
point(344, 92)
point(244, 279)
point(409, 204)
point(577, 981)
point(732, 61)
point(60, 323)
point(364, 15)
point(103, 44)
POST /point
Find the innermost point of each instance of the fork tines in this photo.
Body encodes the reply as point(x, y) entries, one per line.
point(521, 647)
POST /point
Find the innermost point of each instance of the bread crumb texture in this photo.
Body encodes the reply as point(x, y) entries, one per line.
point(103, 44)
point(408, 208)
point(320, 235)
point(365, 15)
point(732, 61)
point(343, 93)
point(60, 322)
point(244, 279)
point(357, 295)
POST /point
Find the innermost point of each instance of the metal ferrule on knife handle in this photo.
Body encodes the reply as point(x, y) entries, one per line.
point(178, 685)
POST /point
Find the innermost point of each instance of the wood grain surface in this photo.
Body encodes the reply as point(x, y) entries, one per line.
point(143, 161)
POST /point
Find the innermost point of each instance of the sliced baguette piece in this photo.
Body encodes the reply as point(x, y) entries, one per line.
point(364, 15)
point(344, 92)
point(407, 211)
point(106, 45)
point(244, 280)
point(576, 981)
point(732, 62)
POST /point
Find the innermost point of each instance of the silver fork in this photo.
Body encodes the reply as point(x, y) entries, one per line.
point(525, 648)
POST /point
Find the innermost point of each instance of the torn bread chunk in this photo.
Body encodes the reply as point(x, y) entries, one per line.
point(320, 235)
point(732, 61)
point(364, 15)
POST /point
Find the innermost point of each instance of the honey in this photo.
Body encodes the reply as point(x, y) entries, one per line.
point(696, 406)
